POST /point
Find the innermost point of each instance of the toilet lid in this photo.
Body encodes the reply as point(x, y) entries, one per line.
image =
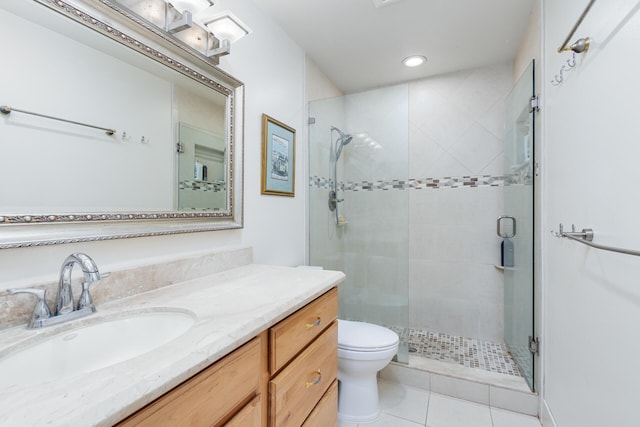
point(361, 336)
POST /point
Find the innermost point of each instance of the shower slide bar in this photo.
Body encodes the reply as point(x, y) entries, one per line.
point(586, 237)
point(5, 109)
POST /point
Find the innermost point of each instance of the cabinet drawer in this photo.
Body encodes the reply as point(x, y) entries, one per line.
point(295, 391)
point(325, 414)
point(208, 397)
point(250, 415)
point(290, 336)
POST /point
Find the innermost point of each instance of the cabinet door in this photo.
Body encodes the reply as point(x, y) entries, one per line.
point(210, 396)
point(325, 414)
point(296, 390)
point(250, 415)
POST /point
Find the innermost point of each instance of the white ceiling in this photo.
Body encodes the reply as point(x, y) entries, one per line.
point(359, 46)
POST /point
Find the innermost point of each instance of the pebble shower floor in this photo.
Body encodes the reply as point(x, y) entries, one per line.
point(472, 353)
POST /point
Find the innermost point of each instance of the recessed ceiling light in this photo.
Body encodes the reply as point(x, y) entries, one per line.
point(414, 61)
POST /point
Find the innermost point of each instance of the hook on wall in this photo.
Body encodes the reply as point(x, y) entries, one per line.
point(570, 65)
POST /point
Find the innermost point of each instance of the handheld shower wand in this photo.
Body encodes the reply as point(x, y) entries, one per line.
point(336, 151)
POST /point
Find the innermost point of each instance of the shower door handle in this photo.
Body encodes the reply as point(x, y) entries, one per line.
point(499, 227)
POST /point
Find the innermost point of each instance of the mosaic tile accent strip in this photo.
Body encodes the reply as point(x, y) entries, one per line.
point(202, 185)
point(416, 183)
point(321, 182)
point(472, 353)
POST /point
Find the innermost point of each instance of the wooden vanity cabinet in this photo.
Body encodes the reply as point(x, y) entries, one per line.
point(285, 377)
point(303, 362)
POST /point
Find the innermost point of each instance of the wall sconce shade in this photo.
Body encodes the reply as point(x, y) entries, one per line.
point(227, 26)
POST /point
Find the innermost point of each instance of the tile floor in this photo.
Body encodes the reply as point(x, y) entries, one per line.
point(405, 406)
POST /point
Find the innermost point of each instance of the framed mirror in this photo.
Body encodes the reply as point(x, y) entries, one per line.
point(110, 130)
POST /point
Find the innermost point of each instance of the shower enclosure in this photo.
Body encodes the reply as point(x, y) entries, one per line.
point(358, 211)
point(406, 183)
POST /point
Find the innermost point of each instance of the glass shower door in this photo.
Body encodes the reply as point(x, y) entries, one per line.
point(516, 225)
point(369, 242)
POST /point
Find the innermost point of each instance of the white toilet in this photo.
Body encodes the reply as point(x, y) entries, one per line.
point(363, 350)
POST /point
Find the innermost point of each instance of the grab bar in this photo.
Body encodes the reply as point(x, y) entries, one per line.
point(581, 45)
point(586, 237)
point(5, 109)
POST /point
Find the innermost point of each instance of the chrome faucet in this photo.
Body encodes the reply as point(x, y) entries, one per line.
point(64, 300)
point(64, 308)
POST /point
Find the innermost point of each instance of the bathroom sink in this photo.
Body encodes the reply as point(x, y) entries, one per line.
point(91, 347)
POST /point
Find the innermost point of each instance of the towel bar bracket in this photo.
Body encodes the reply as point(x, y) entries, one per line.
point(586, 237)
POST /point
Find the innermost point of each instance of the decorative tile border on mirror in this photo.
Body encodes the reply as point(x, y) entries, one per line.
point(16, 309)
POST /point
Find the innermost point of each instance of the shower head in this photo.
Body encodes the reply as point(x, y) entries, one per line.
point(343, 140)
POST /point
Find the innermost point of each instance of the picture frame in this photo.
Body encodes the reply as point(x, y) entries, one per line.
point(278, 158)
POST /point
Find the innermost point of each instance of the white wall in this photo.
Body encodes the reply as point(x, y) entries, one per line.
point(272, 67)
point(318, 84)
point(592, 297)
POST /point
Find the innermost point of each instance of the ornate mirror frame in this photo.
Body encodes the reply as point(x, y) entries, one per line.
point(27, 230)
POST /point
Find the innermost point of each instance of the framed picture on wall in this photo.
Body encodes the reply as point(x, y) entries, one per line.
point(278, 158)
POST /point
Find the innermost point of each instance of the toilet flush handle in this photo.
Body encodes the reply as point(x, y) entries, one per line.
point(314, 324)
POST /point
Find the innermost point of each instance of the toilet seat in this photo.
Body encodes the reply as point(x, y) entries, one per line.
point(365, 337)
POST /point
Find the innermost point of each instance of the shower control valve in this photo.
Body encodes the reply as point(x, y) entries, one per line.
point(333, 200)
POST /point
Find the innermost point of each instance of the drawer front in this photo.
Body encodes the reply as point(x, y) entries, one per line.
point(208, 397)
point(289, 337)
point(295, 391)
point(325, 414)
point(250, 415)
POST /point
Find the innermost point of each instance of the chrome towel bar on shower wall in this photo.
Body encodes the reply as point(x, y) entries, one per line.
point(586, 237)
point(5, 109)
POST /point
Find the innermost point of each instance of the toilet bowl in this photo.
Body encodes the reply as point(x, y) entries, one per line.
point(363, 350)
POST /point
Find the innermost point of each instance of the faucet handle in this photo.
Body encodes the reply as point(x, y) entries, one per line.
point(41, 310)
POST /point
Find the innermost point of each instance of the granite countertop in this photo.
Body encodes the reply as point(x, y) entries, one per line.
point(230, 308)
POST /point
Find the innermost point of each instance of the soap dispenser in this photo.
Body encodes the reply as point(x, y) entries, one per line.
point(507, 252)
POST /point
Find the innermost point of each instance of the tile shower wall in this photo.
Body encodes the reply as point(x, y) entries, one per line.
point(425, 167)
point(456, 130)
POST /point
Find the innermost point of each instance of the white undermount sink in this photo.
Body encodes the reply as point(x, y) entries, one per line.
point(92, 347)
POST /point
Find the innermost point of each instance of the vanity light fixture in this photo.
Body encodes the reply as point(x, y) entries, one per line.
point(190, 22)
point(414, 61)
